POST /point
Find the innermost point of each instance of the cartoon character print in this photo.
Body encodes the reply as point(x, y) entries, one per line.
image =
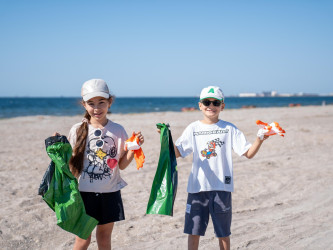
point(101, 153)
point(210, 150)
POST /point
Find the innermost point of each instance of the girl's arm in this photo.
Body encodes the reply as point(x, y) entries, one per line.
point(253, 150)
point(126, 159)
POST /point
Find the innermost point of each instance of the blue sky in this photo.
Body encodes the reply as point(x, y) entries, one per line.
point(166, 48)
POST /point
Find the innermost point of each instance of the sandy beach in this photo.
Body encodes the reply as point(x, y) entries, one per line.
point(282, 200)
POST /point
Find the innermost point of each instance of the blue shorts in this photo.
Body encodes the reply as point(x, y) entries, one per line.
point(200, 205)
point(104, 207)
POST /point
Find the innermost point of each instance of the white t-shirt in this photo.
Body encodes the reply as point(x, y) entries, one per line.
point(100, 172)
point(211, 145)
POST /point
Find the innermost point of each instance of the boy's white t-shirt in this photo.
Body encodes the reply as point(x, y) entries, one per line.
point(100, 166)
point(211, 145)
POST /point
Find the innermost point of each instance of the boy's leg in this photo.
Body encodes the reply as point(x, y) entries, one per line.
point(221, 212)
point(196, 217)
point(224, 243)
point(193, 242)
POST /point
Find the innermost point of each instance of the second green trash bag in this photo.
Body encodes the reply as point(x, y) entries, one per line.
point(164, 187)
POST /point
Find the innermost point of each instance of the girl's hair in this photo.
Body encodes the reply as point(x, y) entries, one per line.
point(76, 161)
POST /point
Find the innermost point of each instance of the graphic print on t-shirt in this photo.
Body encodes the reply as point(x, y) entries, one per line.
point(101, 152)
point(210, 150)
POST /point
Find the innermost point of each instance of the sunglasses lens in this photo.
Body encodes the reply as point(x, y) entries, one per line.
point(206, 102)
point(99, 143)
point(216, 103)
point(98, 132)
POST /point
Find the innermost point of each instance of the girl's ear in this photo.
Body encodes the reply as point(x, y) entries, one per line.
point(110, 101)
point(83, 103)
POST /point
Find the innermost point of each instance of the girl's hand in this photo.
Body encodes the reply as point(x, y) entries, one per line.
point(140, 137)
point(56, 134)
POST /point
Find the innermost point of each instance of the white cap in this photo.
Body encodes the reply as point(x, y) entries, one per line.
point(93, 88)
point(212, 92)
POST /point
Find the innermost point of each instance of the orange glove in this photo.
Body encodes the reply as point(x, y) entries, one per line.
point(133, 144)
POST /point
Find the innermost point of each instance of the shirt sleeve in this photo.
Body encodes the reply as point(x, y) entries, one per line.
point(184, 143)
point(240, 144)
point(72, 136)
point(121, 142)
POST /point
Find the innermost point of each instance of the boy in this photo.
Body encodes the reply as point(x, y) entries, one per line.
point(211, 180)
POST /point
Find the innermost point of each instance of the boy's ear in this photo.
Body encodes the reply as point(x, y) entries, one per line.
point(222, 106)
point(199, 105)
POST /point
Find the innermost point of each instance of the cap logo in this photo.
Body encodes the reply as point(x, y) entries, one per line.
point(211, 91)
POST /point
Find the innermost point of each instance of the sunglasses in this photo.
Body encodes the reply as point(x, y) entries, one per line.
point(99, 142)
point(206, 102)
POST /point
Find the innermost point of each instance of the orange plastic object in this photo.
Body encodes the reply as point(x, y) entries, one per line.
point(133, 144)
point(269, 129)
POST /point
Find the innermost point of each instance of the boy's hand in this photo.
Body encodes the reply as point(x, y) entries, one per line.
point(262, 137)
point(56, 134)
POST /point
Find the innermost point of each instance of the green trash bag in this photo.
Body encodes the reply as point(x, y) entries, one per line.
point(164, 187)
point(59, 189)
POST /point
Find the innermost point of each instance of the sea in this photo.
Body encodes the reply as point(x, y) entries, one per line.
point(69, 106)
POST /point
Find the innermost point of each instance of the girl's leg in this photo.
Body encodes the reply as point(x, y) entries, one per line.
point(81, 244)
point(103, 236)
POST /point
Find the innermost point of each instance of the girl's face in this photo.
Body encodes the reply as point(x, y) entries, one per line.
point(97, 108)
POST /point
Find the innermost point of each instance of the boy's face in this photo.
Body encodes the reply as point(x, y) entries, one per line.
point(211, 108)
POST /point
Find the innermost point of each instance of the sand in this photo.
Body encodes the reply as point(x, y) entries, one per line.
point(282, 200)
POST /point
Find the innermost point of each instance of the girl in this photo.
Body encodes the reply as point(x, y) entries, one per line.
point(98, 154)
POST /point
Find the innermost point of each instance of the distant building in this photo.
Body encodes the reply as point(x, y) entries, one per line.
point(275, 93)
point(306, 94)
point(247, 95)
point(285, 95)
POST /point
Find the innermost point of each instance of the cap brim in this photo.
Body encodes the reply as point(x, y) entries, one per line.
point(95, 94)
point(211, 97)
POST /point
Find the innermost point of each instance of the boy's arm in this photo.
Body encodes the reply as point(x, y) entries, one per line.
point(253, 150)
point(177, 153)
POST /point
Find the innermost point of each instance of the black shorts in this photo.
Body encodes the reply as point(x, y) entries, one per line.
point(104, 207)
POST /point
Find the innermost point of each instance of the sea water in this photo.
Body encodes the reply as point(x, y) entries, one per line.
point(68, 106)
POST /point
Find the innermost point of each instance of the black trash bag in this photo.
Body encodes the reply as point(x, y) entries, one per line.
point(45, 183)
